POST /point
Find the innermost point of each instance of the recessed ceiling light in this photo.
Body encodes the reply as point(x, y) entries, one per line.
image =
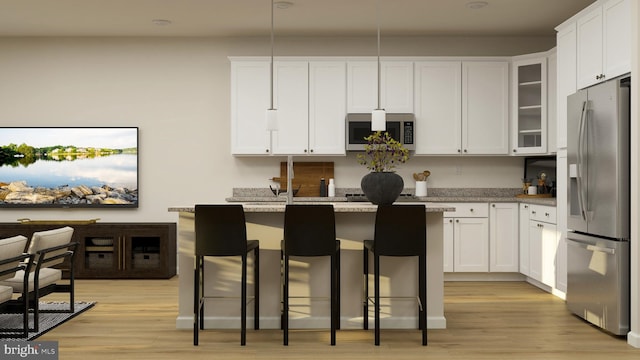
point(475, 5)
point(161, 22)
point(283, 4)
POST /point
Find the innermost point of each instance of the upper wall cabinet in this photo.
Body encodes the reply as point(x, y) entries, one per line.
point(311, 100)
point(529, 110)
point(485, 108)
point(566, 77)
point(462, 107)
point(396, 86)
point(603, 42)
point(327, 107)
point(438, 104)
point(250, 89)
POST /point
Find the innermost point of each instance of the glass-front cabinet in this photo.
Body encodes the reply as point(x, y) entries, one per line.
point(529, 109)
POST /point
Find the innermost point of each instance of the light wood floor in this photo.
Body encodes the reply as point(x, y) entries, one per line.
point(135, 319)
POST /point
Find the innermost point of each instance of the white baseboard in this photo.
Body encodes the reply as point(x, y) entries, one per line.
point(633, 339)
point(186, 322)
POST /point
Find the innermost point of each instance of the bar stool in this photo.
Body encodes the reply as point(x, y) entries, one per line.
point(221, 231)
point(310, 230)
point(400, 230)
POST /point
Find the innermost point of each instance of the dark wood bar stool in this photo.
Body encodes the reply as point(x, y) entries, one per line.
point(310, 230)
point(400, 230)
point(221, 231)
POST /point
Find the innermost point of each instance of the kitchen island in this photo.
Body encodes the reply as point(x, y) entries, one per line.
point(310, 276)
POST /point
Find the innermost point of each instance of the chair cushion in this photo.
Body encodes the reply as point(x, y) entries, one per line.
point(50, 238)
point(47, 276)
point(5, 293)
point(10, 248)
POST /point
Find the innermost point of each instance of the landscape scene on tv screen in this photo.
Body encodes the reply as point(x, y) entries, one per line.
point(69, 167)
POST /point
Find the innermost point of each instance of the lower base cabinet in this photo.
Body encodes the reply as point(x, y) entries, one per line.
point(115, 250)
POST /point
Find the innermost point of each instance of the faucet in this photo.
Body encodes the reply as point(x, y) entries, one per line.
point(289, 178)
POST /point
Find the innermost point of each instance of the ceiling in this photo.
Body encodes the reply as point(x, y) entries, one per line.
point(302, 18)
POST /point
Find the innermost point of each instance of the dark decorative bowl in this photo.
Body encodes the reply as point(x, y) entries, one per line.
point(277, 191)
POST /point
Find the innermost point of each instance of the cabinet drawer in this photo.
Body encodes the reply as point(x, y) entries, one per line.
point(542, 213)
point(479, 210)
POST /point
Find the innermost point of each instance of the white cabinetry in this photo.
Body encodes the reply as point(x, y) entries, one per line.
point(566, 77)
point(524, 239)
point(552, 105)
point(485, 107)
point(327, 107)
point(543, 242)
point(466, 237)
point(603, 42)
point(250, 87)
point(503, 237)
point(311, 100)
point(396, 81)
point(438, 101)
point(462, 107)
point(529, 113)
point(561, 221)
point(396, 86)
point(291, 98)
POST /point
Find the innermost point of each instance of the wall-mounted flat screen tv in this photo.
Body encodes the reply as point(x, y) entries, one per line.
point(69, 167)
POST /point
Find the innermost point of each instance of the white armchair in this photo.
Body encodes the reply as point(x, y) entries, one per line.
point(48, 248)
point(13, 259)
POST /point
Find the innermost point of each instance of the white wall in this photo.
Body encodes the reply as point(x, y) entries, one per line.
point(176, 90)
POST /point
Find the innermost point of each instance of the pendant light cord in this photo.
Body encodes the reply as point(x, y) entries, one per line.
point(378, 25)
point(271, 71)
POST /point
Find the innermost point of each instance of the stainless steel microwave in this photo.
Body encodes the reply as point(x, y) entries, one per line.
point(400, 126)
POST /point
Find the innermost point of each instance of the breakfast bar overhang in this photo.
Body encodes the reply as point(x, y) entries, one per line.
point(354, 223)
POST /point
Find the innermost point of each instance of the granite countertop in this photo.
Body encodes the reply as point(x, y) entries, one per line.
point(427, 199)
point(339, 207)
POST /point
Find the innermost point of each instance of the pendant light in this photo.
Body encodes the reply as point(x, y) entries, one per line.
point(272, 113)
point(379, 115)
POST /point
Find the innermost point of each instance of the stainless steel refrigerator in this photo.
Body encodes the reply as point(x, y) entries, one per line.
point(598, 204)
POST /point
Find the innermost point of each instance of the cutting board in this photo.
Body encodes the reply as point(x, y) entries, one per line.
point(307, 174)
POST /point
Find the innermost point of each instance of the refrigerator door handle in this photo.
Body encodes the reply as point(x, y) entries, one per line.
point(581, 130)
point(591, 247)
point(601, 249)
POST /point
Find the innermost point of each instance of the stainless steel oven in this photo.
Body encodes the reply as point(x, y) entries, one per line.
point(400, 126)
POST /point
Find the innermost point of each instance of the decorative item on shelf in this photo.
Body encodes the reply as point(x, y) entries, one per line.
point(331, 188)
point(421, 182)
point(542, 183)
point(382, 154)
point(525, 185)
point(323, 188)
point(277, 190)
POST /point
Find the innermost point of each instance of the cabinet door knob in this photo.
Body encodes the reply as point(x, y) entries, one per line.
point(533, 212)
point(459, 150)
point(514, 150)
point(457, 220)
point(546, 214)
point(526, 206)
point(493, 205)
point(465, 150)
point(311, 150)
point(267, 150)
point(450, 220)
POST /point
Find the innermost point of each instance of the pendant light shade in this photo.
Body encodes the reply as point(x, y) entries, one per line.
point(379, 115)
point(378, 120)
point(272, 113)
point(272, 119)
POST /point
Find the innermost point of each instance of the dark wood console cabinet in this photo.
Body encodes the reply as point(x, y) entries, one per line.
point(115, 250)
